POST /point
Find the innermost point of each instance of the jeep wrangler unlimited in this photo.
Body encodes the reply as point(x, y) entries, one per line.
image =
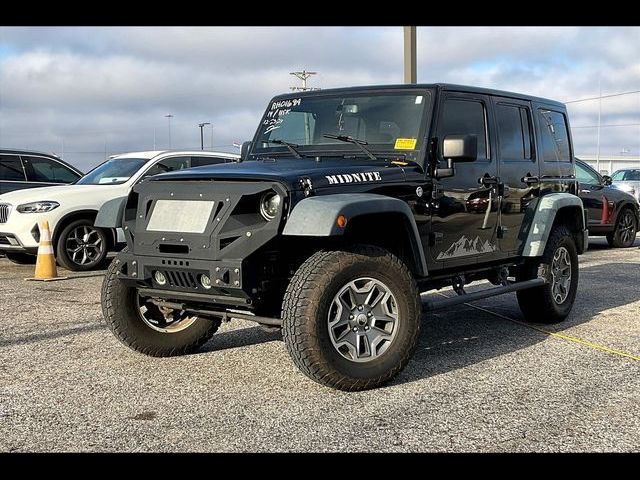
point(346, 205)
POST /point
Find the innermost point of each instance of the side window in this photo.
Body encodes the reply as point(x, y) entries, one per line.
point(586, 176)
point(11, 168)
point(465, 117)
point(200, 161)
point(40, 169)
point(555, 137)
point(514, 132)
point(169, 165)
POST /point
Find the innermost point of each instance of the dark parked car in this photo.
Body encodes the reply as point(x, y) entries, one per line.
point(21, 169)
point(611, 211)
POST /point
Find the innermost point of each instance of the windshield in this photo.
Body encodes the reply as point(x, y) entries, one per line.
point(389, 121)
point(113, 172)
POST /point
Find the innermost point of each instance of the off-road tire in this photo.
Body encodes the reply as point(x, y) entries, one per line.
point(305, 316)
point(62, 257)
point(537, 304)
point(120, 310)
point(615, 238)
point(21, 258)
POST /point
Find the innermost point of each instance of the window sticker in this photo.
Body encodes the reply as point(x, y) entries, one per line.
point(419, 99)
point(405, 144)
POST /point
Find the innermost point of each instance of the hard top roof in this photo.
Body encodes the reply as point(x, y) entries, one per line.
point(440, 86)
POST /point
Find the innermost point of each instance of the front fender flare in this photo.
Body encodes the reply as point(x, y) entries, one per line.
point(317, 216)
point(111, 213)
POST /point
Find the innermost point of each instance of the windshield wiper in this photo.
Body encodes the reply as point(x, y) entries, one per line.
point(360, 143)
point(291, 146)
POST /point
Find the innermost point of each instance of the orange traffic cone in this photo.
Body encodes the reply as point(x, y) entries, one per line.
point(604, 218)
point(45, 264)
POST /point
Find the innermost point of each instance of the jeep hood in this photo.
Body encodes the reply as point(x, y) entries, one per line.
point(327, 172)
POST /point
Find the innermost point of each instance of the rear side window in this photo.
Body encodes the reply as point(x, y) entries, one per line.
point(46, 170)
point(11, 168)
point(555, 136)
point(201, 161)
point(514, 132)
point(465, 117)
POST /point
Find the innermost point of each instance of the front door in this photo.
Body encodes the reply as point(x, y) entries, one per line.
point(591, 192)
point(465, 213)
point(518, 169)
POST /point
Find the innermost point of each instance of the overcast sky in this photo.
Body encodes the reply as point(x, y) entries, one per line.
point(82, 89)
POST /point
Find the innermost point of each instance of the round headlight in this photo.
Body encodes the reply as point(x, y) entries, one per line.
point(269, 205)
point(159, 277)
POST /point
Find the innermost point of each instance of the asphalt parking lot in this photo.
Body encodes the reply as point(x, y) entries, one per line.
point(480, 380)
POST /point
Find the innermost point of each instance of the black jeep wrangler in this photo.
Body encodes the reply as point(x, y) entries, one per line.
point(346, 205)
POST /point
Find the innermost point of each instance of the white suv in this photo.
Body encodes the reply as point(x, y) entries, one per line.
point(71, 209)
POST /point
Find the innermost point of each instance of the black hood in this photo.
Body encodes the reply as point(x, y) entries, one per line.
point(289, 171)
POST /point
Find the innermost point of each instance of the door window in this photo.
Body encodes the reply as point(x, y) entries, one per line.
point(586, 176)
point(555, 136)
point(11, 168)
point(514, 132)
point(201, 161)
point(465, 117)
point(170, 164)
point(48, 170)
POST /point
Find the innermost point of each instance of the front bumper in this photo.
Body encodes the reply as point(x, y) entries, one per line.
point(183, 279)
point(20, 232)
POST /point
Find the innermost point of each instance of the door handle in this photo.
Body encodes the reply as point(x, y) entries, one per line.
point(488, 181)
point(585, 191)
point(530, 179)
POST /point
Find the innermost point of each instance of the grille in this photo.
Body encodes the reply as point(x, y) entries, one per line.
point(181, 279)
point(4, 212)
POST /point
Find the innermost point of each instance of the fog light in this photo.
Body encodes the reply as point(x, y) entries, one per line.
point(160, 278)
point(205, 281)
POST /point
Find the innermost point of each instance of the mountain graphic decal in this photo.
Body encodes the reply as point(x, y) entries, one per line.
point(465, 246)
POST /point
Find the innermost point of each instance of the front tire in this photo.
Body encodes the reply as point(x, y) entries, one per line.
point(625, 231)
point(143, 327)
point(81, 246)
point(21, 258)
point(351, 318)
point(552, 302)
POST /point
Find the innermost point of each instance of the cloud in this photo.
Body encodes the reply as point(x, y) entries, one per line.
point(94, 85)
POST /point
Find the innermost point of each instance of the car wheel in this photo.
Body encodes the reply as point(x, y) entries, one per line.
point(81, 246)
point(552, 302)
point(21, 258)
point(351, 318)
point(625, 231)
point(147, 328)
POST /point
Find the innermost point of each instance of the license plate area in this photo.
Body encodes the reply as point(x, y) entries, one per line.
point(180, 216)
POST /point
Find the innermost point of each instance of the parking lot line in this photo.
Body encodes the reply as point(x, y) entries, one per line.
point(579, 341)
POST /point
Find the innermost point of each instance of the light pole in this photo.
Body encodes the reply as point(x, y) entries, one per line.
point(410, 62)
point(201, 125)
point(169, 117)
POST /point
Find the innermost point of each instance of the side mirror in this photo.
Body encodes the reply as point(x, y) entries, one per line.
point(460, 148)
point(607, 179)
point(244, 150)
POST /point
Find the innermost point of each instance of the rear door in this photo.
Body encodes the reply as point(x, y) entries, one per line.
point(11, 174)
point(518, 168)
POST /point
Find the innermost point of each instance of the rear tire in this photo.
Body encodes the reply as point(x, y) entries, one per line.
point(123, 316)
point(334, 300)
point(624, 234)
point(21, 258)
point(552, 302)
